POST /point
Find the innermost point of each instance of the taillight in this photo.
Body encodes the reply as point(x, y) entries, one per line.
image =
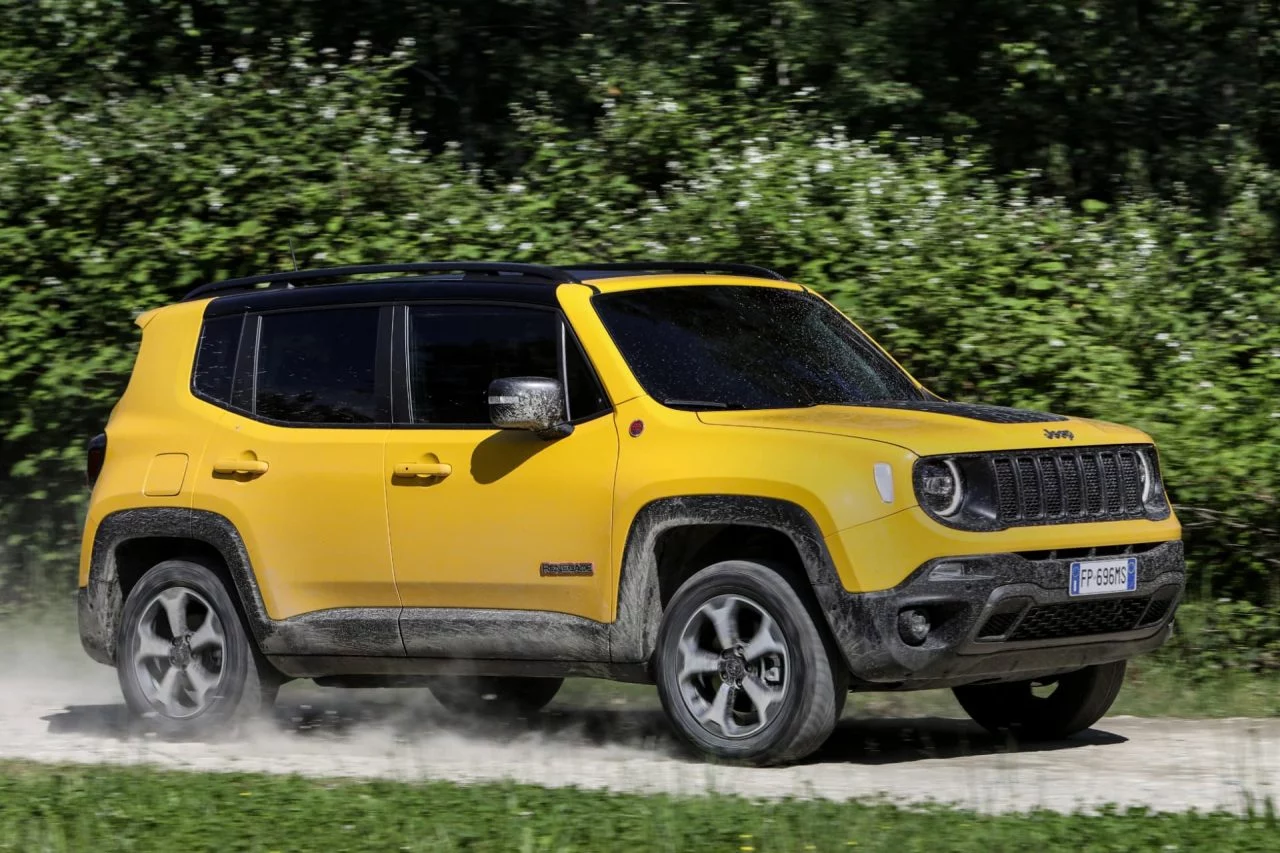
point(96, 455)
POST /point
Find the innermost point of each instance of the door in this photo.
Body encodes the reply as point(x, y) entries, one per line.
point(298, 466)
point(511, 521)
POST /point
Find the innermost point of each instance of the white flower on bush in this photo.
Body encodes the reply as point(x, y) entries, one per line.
point(526, 246)
point(495, 226)
point(412, 217)
point(242, 63)
point(823, 167)
point(329, 113)
point(227, 170)
point(742, 204)
point(515, 188)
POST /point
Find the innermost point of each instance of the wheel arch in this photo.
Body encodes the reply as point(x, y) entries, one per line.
point(129, 542)
point(673, 537)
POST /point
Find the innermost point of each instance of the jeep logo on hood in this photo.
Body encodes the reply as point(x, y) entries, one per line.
point(1060, 433)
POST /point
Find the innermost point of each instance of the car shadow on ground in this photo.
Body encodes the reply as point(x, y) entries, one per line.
point(857, 740)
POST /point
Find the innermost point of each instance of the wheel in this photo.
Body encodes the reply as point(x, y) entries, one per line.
point(184, 662)
point(494, 696)
point(1079, 699)
point(744, 672)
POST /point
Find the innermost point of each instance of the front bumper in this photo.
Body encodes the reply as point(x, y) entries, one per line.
point(1004, 617)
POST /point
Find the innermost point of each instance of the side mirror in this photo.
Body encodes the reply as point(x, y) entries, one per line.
point(529, 402)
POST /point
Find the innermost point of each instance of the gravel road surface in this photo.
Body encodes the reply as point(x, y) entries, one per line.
point(56, 706)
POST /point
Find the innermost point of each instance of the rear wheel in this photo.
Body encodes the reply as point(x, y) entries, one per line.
point(1034, 711)
point(495, 696)
point(184, 662)
point(744, 672)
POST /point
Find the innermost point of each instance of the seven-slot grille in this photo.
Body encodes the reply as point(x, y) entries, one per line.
point(1089, 484)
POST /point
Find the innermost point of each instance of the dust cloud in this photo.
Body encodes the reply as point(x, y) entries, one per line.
point(58, 706)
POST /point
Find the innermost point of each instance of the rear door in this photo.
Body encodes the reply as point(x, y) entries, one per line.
point(296, 461)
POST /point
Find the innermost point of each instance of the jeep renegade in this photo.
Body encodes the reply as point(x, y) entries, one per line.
point(485, 477)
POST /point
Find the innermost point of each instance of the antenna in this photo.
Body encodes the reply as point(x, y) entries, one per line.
point(292, 255)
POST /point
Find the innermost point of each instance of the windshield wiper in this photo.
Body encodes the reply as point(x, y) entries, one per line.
point(695, 404)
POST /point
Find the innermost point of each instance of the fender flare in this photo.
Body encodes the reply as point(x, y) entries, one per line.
point(634, 634)
point(102, 599)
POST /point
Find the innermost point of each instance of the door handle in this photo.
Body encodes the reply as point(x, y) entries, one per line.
point(240, 466)
point(423, 469)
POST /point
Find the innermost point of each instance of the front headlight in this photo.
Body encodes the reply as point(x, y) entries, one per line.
point(940, 486)
point(1152, 485)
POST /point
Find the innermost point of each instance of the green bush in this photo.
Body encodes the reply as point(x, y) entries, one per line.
point(1217, 637)
point(1140, 311)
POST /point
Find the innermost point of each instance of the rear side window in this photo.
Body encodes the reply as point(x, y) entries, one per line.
point(216, 359)
point(455, 351)
point(318, 366)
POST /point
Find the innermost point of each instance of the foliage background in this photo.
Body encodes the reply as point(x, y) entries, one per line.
point(1068, 206)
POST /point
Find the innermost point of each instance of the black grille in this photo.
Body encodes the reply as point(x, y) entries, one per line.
point(997, 625)
point(1158, 610)
point(1090, 484)
point(1081, 619)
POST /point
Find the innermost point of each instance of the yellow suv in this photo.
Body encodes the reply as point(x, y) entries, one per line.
point(485, 477)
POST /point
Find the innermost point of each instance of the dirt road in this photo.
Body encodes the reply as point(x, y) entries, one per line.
point(57, 707)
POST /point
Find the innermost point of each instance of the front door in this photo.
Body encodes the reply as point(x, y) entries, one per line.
point(508, 521)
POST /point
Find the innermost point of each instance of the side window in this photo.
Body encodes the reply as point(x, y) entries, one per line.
point(455, 351)
point(216, 358)
point(318, 366)
point(586, 397)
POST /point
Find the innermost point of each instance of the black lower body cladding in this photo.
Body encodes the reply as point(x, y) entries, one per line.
point(1002, 617)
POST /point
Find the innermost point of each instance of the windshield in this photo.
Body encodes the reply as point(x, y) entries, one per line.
point(739, 347)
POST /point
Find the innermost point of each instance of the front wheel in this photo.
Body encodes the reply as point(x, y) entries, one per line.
point(1077, 700)
point(744, 670)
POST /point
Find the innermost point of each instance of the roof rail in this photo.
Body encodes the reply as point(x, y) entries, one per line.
point(751, 270)
point(550, 275)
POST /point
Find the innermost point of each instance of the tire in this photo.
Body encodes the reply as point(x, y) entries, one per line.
point(494, 696)
point(1079, 700)
point(209, 679)
point(774, 643)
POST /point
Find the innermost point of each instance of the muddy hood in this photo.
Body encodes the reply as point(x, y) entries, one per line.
point(932, 428)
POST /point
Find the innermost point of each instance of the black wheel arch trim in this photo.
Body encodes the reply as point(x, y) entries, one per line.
point(634, 634)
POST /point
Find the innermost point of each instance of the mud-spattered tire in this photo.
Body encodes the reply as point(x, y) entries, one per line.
point(773, 695)
point(1079, 699)
point(185, 664)
point(494, 696)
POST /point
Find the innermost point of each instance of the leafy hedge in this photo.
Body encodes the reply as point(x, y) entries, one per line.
point(1141, 311)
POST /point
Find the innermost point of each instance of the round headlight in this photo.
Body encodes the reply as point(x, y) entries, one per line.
point(941, 490)
point(1148, 481)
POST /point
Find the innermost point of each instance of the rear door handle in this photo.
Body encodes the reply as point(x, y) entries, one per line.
point(423, 469)
point(240, 466)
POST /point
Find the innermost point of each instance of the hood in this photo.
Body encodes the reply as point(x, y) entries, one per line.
point(929, 428)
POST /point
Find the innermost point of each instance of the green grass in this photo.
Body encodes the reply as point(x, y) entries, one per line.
point(112, 808)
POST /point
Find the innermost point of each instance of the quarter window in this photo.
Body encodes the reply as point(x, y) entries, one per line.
point(455, 351)
point(216, 358)
point(318, 366)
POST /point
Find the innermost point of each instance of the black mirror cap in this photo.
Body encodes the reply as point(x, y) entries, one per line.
point(533, 403)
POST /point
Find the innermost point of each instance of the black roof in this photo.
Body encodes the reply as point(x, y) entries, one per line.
point(498, 279)
point(381, 292)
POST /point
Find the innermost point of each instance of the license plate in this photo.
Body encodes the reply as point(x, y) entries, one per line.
point(1098, 576)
